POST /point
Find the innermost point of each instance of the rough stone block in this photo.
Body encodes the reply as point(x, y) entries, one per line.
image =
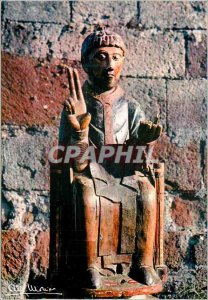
point(187, 213)
point(197, 54)
point(40, 255)
point(182, 165)
point(38, 11)
point(153, 53)
point(25, 161)
point(42, 40)
point(14, 255)
point(201, 279)
point(28, 211)
point(29, 38)
point(149, 93)
point(175, 249)
point(173, 14)
point(201, 251)
point(196, 251)
point(113, 13)
point(204, 162)
point(32, 91)
point(180, 250)
point(186, 110)
point(68, 44)
point(186, 284)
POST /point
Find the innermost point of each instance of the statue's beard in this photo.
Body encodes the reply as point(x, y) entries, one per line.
point(104, 83)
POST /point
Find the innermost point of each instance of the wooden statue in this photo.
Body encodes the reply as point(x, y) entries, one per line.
point(113, 228)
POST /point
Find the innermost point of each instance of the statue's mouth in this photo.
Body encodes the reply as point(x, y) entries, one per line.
point(109, 75)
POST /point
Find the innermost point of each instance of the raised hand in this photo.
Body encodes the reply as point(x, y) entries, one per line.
point(75, 105)
point(149, 131)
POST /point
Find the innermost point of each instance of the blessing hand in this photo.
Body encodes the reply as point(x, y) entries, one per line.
point(75, 105)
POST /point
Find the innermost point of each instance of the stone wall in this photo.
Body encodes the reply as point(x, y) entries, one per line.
point(165, 70)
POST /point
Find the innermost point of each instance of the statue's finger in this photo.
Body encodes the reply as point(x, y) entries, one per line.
point(158, 130)
point(157, 118)
point(142, 125)
point(74, 122)
point(67, 107)
point(147, 128)
point(153, 131)
point(78, 86)
point(85, 120)
point(70, 110)
point(65, 103)
point(71, 83)
point(72, 104)
point(141, 128)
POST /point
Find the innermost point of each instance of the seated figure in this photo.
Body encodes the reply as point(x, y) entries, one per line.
point(115, 204)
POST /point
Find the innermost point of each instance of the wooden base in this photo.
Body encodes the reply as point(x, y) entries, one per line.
point(143, 297)
point(121, 286)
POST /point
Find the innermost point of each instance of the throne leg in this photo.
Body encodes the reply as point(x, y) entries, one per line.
point(159, 186)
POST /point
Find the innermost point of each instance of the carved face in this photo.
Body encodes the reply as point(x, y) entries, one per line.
point(104, 69)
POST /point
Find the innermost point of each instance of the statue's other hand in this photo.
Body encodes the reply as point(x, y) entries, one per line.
point(148, 132)
point(75, 106)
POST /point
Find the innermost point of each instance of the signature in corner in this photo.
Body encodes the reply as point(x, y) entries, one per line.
point(16, 289)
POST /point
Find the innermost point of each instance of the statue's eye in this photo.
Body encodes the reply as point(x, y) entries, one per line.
point(116, 56)
point(101, 56)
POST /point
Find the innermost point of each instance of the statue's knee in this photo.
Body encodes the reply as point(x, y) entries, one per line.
point(148, 194)
point(90, 201)
point(151, 196)
point(85, 190)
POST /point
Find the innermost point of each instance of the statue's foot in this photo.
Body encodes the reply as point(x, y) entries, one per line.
point(93, 279)
point(146, 275)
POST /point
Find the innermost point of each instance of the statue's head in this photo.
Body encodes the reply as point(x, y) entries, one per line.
point(102, 57)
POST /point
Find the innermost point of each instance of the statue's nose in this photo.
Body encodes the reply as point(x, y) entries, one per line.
point(109, 69)
point(110, 64)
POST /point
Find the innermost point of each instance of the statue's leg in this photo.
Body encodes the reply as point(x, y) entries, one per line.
point(89, 204)
point(146, 221)
point(146, 227)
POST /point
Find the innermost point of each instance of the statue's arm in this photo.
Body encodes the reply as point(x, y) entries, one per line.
point(142, 133)
point(75, 119)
